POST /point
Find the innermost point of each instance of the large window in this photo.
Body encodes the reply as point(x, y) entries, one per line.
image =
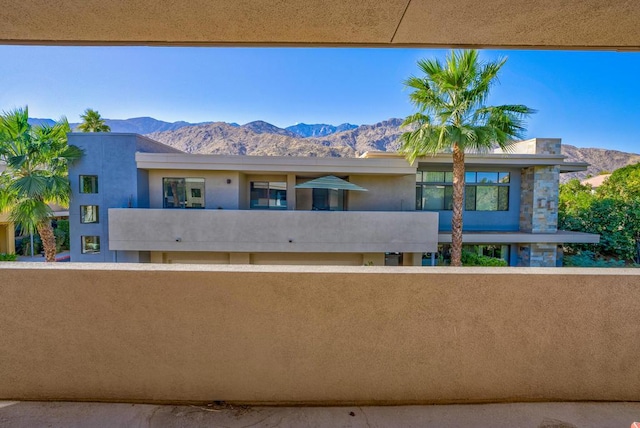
point(183, 192)
point(268, 195)
point(89, 214)
point(88, 184)
point(434, 190)
point(484, 191)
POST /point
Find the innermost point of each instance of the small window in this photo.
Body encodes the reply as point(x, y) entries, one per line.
point(469, 177)
point(487, 177)
point(433, 176)
point(90, 244)
point(88, 214)
point(88, 184)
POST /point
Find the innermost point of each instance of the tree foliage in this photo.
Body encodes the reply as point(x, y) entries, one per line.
point(623, 184)
point(93, 122)
point(612, 211)
point(453, 117)
point(36, 160)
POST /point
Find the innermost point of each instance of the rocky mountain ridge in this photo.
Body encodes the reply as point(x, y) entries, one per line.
point(138, 125)
point(322, 140)
point(318, 130)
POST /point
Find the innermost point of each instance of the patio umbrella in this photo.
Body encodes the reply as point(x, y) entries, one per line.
point(330, 182)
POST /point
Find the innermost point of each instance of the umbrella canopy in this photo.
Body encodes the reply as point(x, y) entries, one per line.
point(330, 182)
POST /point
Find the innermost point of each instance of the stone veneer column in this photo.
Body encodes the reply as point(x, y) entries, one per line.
point(539, 199)
point(539, 207)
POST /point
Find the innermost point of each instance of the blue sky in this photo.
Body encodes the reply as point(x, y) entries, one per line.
point(589, 99)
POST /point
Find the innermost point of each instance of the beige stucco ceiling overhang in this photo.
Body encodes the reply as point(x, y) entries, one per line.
point(556, 24)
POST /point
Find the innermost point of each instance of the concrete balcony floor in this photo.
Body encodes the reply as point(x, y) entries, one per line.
point(535, 415)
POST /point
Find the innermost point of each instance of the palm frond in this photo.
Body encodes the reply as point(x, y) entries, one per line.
point(28, 213)
point(58, 190)
point(31, 186)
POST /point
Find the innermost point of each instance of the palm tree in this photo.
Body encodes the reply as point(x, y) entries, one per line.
point(36, 161)
point(452, 117)
point(92, 122)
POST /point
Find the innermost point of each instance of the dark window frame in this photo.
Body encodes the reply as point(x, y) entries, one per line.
point(83, 249)
point(97, 214)
point(502, 180)
point(95, 188)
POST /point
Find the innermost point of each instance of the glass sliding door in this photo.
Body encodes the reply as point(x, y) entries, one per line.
point(268, 195)
point(183, 192)
point(328, 200)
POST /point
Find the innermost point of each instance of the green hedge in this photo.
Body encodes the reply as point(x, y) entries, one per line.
point(591, 259)
point(8, 257)
point(473, 259)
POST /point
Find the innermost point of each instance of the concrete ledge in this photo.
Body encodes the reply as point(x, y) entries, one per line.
point(292, 334)
point(540, 415)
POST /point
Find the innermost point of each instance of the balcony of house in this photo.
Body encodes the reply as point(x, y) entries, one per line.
point(260, 231)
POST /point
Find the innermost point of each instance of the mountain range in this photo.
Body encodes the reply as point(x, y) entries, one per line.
point(321, 140)
point(137, 125)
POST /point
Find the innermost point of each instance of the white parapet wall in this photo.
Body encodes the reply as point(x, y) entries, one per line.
point(321, 335)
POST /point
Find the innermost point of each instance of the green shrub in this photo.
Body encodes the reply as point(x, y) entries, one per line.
point(63, 231)
point(60, 239)
point(8, 257)
point(473, 259)
point(590, 259)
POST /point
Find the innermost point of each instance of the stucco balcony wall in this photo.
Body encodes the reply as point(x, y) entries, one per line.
point(272, 231)
point(266, 334)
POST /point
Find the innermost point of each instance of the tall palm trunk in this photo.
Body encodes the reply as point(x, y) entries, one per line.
point(48, 240)
point(458, 204)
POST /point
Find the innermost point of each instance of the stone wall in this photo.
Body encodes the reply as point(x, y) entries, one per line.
point(539, 204)
point(538, 255)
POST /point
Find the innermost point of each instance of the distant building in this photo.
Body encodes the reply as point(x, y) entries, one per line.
point(7, 234)
point(7, 229)
point(596, 181)
point(137, 200)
